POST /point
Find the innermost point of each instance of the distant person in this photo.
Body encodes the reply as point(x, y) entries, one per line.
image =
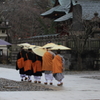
point(37, 68)
point(28, 64)
point(58, 67)
point(20, 63)
point(47, 66)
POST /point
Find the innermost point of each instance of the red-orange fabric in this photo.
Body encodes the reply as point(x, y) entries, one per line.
point(47, 61)
point(36, 66)
point(20, 63)
point(28, 65)
point(57, 64)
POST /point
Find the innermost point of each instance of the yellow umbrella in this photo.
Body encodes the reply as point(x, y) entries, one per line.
point(39, 51)
point(37, 47)
point(25, 47)
point(49, 45)
point(23, 44)
point(31, 46)
point(61, 47)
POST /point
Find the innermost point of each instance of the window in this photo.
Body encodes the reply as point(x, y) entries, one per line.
point(1, 52)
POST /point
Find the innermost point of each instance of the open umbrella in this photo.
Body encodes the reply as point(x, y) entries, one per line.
point(25, 47)
point(61, 47)
point(2, 42)
point(31, 46)
point(49, 45)
point(39, 51)
point(23, 44)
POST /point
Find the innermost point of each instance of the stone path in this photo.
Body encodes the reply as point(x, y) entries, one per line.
point(77, 86)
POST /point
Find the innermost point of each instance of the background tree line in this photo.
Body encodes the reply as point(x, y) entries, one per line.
point(25, 19)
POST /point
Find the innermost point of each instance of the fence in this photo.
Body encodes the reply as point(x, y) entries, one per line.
point(92, 44)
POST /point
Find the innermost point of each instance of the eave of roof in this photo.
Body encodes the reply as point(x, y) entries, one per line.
point(89, 7)
point(58, 8)
point(49, 35)
point(64, 18)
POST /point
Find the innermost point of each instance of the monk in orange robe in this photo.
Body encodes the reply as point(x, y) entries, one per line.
point(28, 64)
point(57, 68)
point(37, 68)
point(22, 54)
point(47, 66)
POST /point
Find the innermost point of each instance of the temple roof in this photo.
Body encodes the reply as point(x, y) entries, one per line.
point(65, 17)
point(54, 9)
point(89, 7)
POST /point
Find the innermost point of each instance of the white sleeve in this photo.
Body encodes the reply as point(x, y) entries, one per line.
point(63, 60)
point(52, 53)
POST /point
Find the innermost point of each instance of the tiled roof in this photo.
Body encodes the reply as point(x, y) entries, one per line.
point(64, 18)
point(45, 35)
point(63, 7)
point(89, 7)
point(57, 8)
point(50, 11)
point(64, 2)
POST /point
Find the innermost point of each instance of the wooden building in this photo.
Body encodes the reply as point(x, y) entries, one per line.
point(70, 14)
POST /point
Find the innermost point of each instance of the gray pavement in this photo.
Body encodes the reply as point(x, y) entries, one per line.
point(77, 86)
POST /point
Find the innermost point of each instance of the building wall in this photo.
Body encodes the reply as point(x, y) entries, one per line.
point(3, 48)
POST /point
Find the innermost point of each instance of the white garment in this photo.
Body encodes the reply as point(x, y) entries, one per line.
point(37, 78)
point(29, 78)
point(22, 76)
point(51, 52)
point(49, 77)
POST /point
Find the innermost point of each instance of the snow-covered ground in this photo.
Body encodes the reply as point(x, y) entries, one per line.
point(75, 88)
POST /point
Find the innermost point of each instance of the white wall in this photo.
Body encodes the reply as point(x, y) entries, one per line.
point(4, 48)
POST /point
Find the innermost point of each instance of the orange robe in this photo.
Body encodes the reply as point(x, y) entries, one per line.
point(47, 61)
point(20, 62)
point(27, 65)
point(36, 66)
point(57, 64)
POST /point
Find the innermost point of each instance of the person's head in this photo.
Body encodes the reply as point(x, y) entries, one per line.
point(30, 50)
point(21, 48)
point(58, 51)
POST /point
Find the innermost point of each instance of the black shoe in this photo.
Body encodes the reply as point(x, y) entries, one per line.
point(39, 81)
point(45, 83)
point(26, 78)
point(29, 81)
point(35, 81)
point(60, 84)
point(51, 83)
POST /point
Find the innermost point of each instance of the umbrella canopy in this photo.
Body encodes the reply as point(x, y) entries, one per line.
point(39, 51)
point(2, 42)
point(61, 47)
point(25, 47)
point(31, 46)
point(23, 44)
point(49, 45)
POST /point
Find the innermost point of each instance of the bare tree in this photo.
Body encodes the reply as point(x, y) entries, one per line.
point(80, 39)
point(24, 17)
